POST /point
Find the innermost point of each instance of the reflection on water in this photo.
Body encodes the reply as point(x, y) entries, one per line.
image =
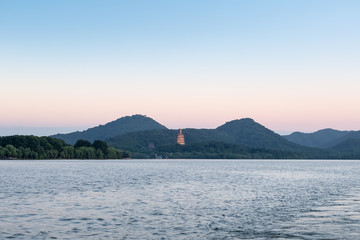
point(201, 199)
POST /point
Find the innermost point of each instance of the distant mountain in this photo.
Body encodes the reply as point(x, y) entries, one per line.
point(349, 146)
point(245, 132)
point(145, 137)
point(120, 126)
point(337, 141)
point(249, 133)
point(325, 138)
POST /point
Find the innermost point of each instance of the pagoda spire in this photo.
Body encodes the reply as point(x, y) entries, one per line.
point(180, 138)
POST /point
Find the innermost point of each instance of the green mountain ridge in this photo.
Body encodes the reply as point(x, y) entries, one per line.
point(240, 138)
point(351, 145)
point(120, 126)
point(244, 132)
point(249, 133)
point(325, 138)
point(349, 136)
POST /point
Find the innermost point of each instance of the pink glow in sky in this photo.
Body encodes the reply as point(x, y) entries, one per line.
point(289, 65)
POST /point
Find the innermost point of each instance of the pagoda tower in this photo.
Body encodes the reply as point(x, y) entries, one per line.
point(180, 138)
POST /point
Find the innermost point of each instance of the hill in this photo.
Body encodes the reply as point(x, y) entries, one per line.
point(337, 141)
point(249, 133)
point(145, 137)
point(325, 138)
point(120, 126)
point(245, 132)
point(349, 146)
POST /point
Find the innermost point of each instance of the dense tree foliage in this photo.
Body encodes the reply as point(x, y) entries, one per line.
point(101, 145)
point(32, 147)
point(82, 143)
point(221, 150)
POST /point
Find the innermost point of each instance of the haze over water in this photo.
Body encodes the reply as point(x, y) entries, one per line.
point(179, 199)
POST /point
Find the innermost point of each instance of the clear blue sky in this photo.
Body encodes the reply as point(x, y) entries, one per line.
point(290, 65)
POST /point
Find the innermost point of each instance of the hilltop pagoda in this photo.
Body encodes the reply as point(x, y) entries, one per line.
point(180, 138)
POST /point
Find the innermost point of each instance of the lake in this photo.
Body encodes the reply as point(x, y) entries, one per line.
point(180, 199)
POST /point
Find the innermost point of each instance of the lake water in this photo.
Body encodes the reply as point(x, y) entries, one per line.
point(179, 199)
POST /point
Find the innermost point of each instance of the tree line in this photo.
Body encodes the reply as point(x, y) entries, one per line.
point(32, 147)
point(221, 150)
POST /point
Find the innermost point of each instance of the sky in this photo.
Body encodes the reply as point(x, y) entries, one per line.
point(70, 65)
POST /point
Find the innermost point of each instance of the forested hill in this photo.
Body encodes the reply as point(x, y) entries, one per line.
point(247, 132)
point(244, 132)
point(120, 126)
point(350, 146)
point(143, 135)
point(325, 138)
point(242, 138)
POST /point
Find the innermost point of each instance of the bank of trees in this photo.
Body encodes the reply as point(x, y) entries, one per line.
point(32, 147)
point(221, 150)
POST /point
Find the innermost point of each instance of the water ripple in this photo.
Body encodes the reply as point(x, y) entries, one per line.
point(179, 199)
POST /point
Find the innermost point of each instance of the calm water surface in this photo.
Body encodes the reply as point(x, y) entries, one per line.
point(179, 199)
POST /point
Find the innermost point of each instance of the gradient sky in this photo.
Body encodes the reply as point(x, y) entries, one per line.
point(289, 65)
